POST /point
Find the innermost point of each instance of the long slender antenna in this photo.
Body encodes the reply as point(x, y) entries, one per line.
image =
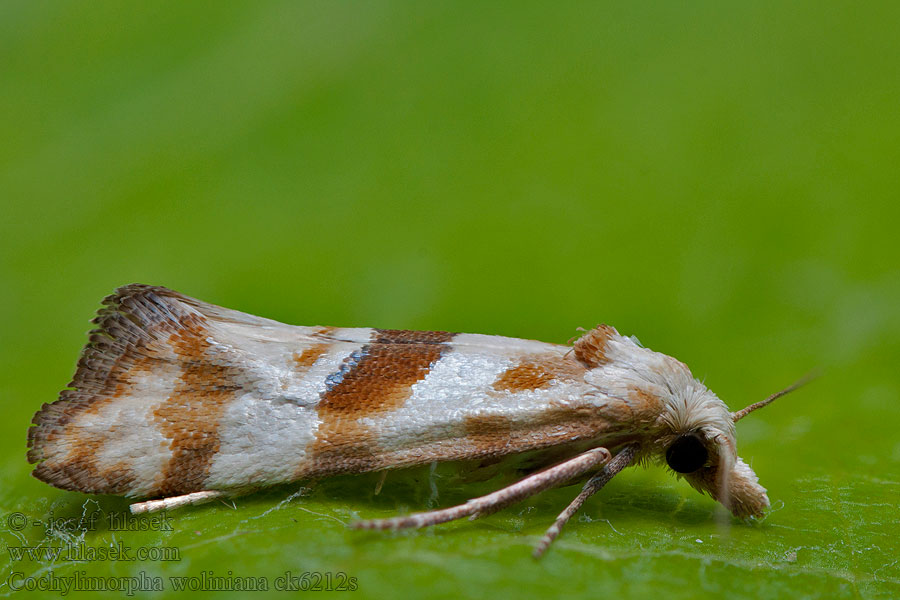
point(738, 415)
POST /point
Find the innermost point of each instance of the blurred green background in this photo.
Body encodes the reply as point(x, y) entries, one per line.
point(719, 179)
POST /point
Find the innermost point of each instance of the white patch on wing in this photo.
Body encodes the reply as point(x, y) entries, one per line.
point(502, 346)
point(459, 386)
point(261, 441)
point(359, 335)
point(455, 387)
point(269, 357)
point(272, 344)
point(264, 433)
point(128, 426)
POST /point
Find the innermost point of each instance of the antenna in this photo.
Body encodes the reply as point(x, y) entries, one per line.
point(737, 416)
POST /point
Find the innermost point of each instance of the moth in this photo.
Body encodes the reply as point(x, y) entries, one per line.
point(180, 402)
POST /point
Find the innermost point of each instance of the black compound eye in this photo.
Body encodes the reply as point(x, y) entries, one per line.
point(687, 453)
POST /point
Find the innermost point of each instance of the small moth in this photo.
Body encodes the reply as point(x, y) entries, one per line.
point(182, 402)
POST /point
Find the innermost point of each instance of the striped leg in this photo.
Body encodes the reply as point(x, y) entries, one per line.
point(594, 485)
point(485, 505)
point(174, 502)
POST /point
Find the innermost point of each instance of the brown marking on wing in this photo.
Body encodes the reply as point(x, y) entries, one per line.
point(560, 430)
point(523, 377)
point(535, 373)
point(557, 424)
point(304, 360)
point(644, 405)
point(406, 336)
point(374, 380)
point(323, 332)
point(488, 432)
point(80, 471)
point(190, 417)
point(341, 446)
point(83, 471)
point(308, 357)
point(591, 347)
point(119, 476)
point(379, 377)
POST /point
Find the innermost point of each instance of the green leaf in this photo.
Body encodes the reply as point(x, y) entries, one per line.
point(719, 179)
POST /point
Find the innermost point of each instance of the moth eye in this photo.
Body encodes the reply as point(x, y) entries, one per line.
point(687, 453)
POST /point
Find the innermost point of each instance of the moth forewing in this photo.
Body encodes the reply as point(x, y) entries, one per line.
point(184, 401)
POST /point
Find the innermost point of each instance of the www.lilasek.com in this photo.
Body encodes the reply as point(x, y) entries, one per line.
point(81, 552)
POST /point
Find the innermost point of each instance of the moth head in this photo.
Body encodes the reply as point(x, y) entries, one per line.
point(698, 443)
point(691, 429)
point(710, 465)
point(701, 447)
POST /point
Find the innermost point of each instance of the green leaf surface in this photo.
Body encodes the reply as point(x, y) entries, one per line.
point(719, 180)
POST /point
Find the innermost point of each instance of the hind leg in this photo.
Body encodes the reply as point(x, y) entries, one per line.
point(175, 501)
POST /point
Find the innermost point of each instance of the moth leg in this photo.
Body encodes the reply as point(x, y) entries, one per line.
point(175, 501)
point(484, 505)
point(594, 485)
point(380, 483)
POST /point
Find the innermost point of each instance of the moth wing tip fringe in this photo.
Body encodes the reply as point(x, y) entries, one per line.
point(129, 328)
